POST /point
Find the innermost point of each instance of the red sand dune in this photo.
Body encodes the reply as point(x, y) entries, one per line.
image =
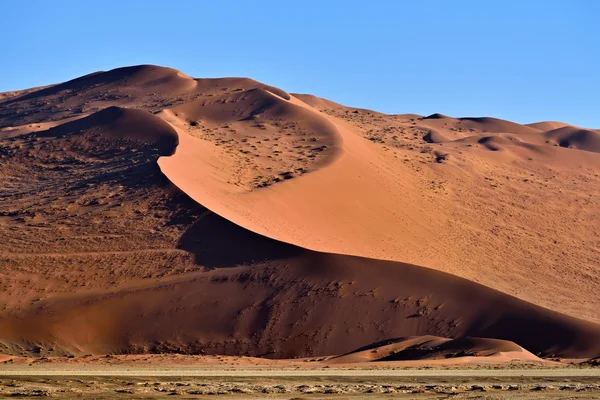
point(290, 225)
point(367, 203)
point(115, 126)
point(436, 348)
point(547, 125)
point(266, 298)
point(572, 137)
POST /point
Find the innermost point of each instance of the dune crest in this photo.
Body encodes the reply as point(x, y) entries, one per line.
point(547, 125)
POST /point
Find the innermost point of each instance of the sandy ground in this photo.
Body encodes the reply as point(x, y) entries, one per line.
point(298, 383)
point(427, 371)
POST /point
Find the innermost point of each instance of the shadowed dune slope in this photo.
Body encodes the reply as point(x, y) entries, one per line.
point(437, 116)
point(577, 138)
point(114, 126)
point(268, 298)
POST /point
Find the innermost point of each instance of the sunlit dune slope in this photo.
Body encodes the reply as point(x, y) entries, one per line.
point(369, 201)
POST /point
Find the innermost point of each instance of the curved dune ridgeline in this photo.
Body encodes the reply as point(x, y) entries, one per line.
point(148, 211)
point(365, 202)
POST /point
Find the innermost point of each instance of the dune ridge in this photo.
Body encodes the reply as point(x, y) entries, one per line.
point(545, 126)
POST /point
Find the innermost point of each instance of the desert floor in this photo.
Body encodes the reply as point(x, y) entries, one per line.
point(148, 377)
point(140, 383)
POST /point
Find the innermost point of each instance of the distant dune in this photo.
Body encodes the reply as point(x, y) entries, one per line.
point(115, 126)
point(547, 125)
point(572, 137)
point(146, 211)
point(433, 347)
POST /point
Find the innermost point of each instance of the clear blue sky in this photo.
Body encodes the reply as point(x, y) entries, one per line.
point(524, 60)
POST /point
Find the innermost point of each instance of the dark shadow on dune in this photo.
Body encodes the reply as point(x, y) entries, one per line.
point(277, 92)
point(139, 176)
point(217, 242)
point(375, 345)
point(462, 347)
point(434, 137)
point(535, 331)
point(436, 116)
point(571, 137)
point(116, 146)
point(488, 143)
point(114, 126)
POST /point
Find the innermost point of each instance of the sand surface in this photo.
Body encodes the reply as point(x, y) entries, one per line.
point(298, 383)
point(266, 372)
point(369, 202)
point(145, 211)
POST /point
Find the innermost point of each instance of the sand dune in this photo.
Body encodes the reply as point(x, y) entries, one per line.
point(547, 125)
point(367, 203)
point(479, 124)
point(148, 211)
point(572, 137)
point(269, 299)
point(143, 78)
point(148, 87)
point(434, 347)
point(117, 126)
